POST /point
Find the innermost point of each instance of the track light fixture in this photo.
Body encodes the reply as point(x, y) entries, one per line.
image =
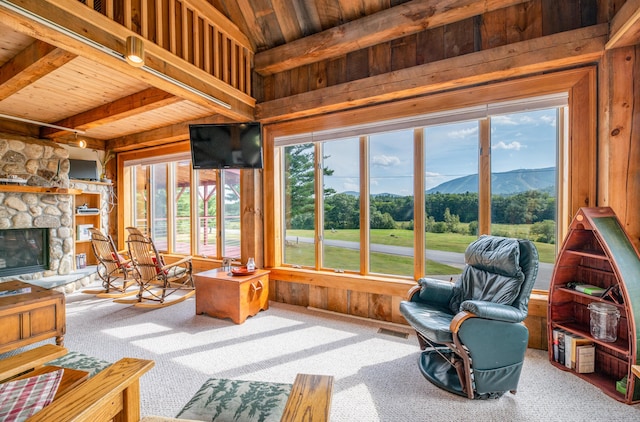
point(80, 143)
point(134, 53)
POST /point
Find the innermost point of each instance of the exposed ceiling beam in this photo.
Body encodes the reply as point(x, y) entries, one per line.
point(160, 136)
point(625, 26)
point(29, 65)
point(131, 105)
point(79, 19)
point(386, 25)
point(547, 53)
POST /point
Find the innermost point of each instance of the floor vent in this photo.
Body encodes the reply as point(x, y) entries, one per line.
point(393, 333)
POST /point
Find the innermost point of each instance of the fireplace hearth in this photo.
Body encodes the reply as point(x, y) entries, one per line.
point(24, 251)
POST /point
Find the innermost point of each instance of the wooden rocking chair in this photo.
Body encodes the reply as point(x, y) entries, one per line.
point(159, 284)
point(113, 268)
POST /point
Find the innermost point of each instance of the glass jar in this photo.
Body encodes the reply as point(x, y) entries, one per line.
point(251, 264)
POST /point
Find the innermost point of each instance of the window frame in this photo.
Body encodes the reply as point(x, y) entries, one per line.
point(179, 151)
point(580, 157)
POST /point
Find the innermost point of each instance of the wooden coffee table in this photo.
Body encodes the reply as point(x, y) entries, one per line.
point(30, 317)
point(221, 295)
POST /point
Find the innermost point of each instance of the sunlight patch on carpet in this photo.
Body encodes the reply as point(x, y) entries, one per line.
point(136, 330)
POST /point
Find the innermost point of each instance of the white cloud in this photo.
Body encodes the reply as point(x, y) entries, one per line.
point(526, 119)
point(462, 133)
point(385, 160)
point(503, 120)
point(515, 145)
point(550, 120)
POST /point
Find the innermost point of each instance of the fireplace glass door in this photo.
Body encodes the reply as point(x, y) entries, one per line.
point(23, 251)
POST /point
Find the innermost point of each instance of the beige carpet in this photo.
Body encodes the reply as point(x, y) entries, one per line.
point(376, 374)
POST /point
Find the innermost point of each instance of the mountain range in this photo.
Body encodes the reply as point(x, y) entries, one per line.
point(505, 183)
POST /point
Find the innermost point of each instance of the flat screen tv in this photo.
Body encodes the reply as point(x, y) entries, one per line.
point(83, 169)
point(226, 146)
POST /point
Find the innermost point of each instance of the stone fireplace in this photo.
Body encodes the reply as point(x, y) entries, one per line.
point(41, 164)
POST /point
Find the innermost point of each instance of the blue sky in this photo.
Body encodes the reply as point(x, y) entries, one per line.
point(518, 141)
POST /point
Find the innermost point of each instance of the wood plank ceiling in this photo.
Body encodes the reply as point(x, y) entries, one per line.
point(44, 79)
point(43, 82)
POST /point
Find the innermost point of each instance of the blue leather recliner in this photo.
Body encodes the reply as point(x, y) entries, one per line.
point(471, 331)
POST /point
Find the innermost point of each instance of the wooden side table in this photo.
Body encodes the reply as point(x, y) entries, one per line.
point(30, 317)
point(221, 295)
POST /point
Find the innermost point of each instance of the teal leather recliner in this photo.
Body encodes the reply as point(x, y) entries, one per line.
point(471, 332)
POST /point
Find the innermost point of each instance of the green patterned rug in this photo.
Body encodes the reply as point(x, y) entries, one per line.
point(75, 360)
point(224, 400)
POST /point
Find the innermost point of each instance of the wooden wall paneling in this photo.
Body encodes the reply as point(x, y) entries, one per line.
point(380, 58)
point(544, 54)
point(493, 29)
point(559, 16)
point(292, 293)
point(588, 12)
point(403, 52)
point(263, 87)
point(537, 327)
point(396, 316)
point(459, 38)
point(300, 79)
point(583, 142)
point(380, 307)
point(357, 64)
point(624, 195)
point(282, 84)
point(605, 81)
point(317, 75)
point(336, 71)
point(430, 45)
point(338, 300)
point(252, 215)
point(359, 304)
point(318, 297)
point(524, 21)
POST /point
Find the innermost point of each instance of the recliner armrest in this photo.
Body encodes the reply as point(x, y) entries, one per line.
point(433, 291)
point(496, 311)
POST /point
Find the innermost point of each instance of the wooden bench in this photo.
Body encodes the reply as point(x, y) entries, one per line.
point(310, 399)
point(112, 394)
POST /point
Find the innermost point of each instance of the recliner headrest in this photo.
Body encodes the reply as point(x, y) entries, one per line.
point(494, 254)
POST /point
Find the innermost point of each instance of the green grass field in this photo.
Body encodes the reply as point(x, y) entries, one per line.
point(341, 258)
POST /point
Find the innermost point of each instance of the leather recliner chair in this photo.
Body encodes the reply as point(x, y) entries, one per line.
point(471, 332)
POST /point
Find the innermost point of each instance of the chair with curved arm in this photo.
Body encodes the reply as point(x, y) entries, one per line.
point(113, 267)
point(471, 332)
point(159, 284)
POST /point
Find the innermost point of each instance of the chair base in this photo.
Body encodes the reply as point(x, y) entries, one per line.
point(147, 302)
point(440, 371)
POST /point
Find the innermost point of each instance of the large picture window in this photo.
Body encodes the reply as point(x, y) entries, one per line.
point(483, 170)
point(160, 191)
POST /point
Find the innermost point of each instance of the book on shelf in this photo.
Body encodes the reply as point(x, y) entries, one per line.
point(14, 292)
point(589, 289)
point(558, 345)
point(568, 347)
point(585, 358)
point(577, 342)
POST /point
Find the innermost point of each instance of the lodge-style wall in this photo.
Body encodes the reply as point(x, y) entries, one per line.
point(618, 122)
point(521, 22)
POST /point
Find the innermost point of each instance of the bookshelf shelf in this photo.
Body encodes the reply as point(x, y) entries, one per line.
point(598, 252)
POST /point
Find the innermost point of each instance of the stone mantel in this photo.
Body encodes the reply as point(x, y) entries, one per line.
point(39, 189)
